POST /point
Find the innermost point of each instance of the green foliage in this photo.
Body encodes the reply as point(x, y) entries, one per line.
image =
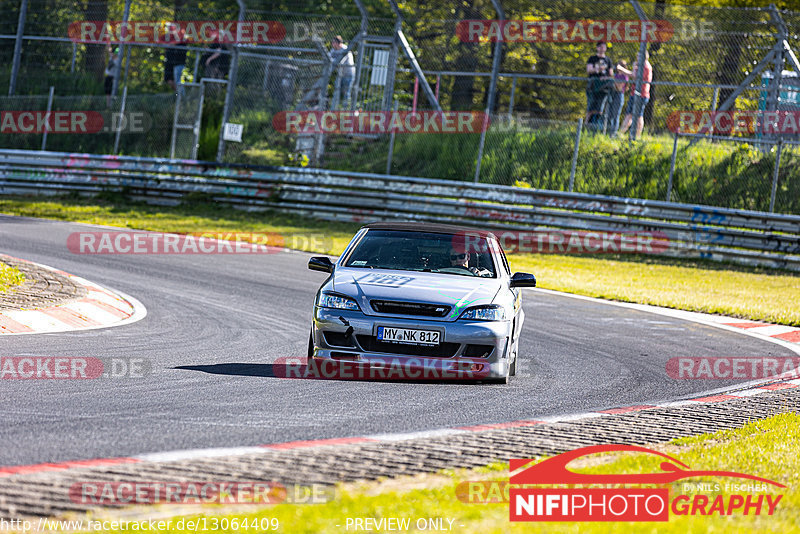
point(9, 277)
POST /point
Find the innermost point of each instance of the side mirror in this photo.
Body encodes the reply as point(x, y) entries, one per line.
point(522, 280)
point(320, 263)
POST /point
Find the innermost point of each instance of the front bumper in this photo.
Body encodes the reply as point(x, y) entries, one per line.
point(468, 349)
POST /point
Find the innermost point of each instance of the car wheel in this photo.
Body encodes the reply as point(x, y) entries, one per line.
point(310, 347)
point(503, 380)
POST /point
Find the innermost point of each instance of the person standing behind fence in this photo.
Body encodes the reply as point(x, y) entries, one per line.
point(175, 61)
point(638, 101)
point(343, 57)
point(617, 98)
point(111, 70)
point(216, 63)
point(600, 69)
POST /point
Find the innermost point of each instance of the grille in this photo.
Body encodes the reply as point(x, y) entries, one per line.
point(337, 339)
point(409, 308)
point(478, 351)
point(443, 350)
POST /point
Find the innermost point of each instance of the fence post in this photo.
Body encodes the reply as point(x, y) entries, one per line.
point(118, 128)
point(175, 126)
point(775, 176)
point(118, 67)
point(672, 167)
point(498, 52)
point(391, 145)
point(575, 155)
point(12, 83)
point(714, 102)
point(641, 61)
point(231, 88)
point(47, 117)
point(74, 55)
point(511, 99)
point(484, 127)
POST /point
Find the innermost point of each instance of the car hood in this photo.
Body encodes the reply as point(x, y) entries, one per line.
point(410, 286)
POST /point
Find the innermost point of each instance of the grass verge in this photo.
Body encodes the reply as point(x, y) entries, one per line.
point(9, 277)
point(746, 292)
point(766, 448)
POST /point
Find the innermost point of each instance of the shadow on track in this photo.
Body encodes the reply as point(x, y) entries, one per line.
point(339, 371)
point(234, 369)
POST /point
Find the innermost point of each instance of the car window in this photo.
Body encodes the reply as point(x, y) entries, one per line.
point(505, 261)
point(422, 251)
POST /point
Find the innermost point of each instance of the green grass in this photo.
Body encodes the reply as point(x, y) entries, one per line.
point(704, 286)
point(766, 448)
point(732, 175)
point(746, 292)
point(9, 277)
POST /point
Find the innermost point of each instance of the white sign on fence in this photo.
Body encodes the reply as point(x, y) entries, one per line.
point(380, 67)
point(232, 132)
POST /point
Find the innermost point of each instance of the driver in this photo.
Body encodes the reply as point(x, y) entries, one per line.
point(460, 258)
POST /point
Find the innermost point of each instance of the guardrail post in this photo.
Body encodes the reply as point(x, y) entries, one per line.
point(47, 117)
point(575, 155)
point(672, 167)
point(775, 177)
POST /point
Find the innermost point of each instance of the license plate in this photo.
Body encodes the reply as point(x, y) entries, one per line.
point(408, 336)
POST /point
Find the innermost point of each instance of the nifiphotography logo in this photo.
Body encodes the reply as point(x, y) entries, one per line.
point(623, 503)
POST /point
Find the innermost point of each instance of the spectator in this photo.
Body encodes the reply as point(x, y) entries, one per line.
point(343, 57)
point(638, 101)
point(600, 69)
point(617, 98)
point(111, 70)
point(216, 63)
point(175, 61)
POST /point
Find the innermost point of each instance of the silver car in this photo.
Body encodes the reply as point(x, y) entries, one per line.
point(420, 301)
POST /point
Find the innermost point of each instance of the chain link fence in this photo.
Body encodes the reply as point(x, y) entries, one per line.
point(702, 59)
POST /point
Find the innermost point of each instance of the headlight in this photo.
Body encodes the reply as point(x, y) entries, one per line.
point(485, 313)
point(338, 302)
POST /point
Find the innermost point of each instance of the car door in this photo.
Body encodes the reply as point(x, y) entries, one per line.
point(500, 258)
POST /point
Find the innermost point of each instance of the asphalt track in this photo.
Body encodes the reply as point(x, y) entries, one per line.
point(216, 323)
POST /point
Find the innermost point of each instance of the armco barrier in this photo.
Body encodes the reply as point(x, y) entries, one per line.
point(749, 237)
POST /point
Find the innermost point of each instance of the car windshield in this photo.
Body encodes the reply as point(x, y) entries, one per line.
point(423, 251)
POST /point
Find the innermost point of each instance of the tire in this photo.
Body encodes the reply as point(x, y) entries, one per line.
point(502, 381)
point(310, 348)
point(512, 370)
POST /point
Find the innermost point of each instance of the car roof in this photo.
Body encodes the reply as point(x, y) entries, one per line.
point(414, 226)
